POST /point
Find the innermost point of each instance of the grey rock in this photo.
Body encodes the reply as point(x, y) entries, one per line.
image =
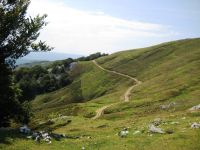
point(123, 133)
point(195, 125)
point(157, 121)
point(25, 129)
point(194, 108)
point(167, 106)
point(154, 129)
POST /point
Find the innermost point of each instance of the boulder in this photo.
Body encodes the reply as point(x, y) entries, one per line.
point(25, 129)
point(154, 129)
point(195, 125)
point(157, 121)
point(123, 133)
point(195, 108)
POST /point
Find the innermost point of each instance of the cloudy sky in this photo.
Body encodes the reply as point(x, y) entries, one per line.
point(88, 26)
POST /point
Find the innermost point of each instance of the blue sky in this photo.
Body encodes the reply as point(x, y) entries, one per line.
point(87, 26)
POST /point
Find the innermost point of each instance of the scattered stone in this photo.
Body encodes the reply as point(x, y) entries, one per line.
point(195, 125)
point(167, 106)
point(195, 108)
point(136, 132)
point(154, 129)
point(38, 138)
point(169, 131)
point(45, 136)
point(34, 135)
point(123, 133)
point(25, 129)
point(29, 137)
point(157, 121)
point(89, 137)
point(174, 122)
point(150, 134)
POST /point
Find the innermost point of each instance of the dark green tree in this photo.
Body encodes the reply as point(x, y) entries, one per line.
point(18, 35)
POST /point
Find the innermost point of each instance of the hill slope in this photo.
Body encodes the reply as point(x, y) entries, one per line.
point(170, 75)
point(169, 72)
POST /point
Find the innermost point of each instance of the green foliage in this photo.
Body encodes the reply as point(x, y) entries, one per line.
point(37, 80)
point(17, 38)
point(92, 57)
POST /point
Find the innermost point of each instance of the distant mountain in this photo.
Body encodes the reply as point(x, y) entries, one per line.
point(45, 56)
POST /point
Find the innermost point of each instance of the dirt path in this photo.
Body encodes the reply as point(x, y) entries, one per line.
point(127, 94)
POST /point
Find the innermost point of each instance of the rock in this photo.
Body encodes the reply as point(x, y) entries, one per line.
point(174, 122)
point(25, 129)
point(154, 129)
point(136, 132)
point(183, 118)
point(123, 133)
point(29, 137)
point(89, 137)
point(56, 136)
point(167, 106)
point(34, 135)
point(151, 135)
point(169, 131)
point(195, 108)
point(195, 125)
point(157, 121)
point(163, 107)
point(38, 138)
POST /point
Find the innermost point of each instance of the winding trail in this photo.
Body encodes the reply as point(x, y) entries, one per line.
point(127, 94)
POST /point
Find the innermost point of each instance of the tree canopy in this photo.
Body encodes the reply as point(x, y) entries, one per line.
point(18, 37)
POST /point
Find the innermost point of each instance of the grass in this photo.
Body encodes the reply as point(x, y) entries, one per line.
point(170, 73)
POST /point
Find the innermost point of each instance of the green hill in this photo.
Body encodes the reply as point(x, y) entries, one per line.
point(170, 76)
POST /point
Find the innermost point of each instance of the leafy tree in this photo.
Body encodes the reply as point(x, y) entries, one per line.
point(64, 80)
point(29, 89)
point(18, 35)
point(48, 83)
point(92, 57)
point(67, 62)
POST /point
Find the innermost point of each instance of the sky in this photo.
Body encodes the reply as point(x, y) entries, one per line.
point(88, 26)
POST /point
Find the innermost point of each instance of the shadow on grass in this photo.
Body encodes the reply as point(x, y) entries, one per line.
point(7, 136)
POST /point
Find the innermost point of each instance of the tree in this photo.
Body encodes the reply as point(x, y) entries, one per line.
point(18, 35)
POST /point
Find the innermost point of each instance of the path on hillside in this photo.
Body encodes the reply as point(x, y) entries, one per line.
point(126, 95)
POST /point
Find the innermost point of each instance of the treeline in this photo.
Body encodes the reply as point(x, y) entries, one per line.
point(42, 79)
point(38, 79)
point(91, 57)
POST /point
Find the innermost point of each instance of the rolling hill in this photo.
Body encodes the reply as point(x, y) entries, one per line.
point(169, 76)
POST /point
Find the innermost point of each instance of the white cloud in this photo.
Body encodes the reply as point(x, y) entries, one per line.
point(84, 32)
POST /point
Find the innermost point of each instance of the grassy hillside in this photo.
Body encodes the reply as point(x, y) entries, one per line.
point(89, 83)
point(170, 74)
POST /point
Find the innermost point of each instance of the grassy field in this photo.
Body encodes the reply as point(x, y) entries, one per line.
point(169, 72)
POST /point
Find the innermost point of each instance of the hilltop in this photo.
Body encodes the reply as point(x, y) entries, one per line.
point(161, 81)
